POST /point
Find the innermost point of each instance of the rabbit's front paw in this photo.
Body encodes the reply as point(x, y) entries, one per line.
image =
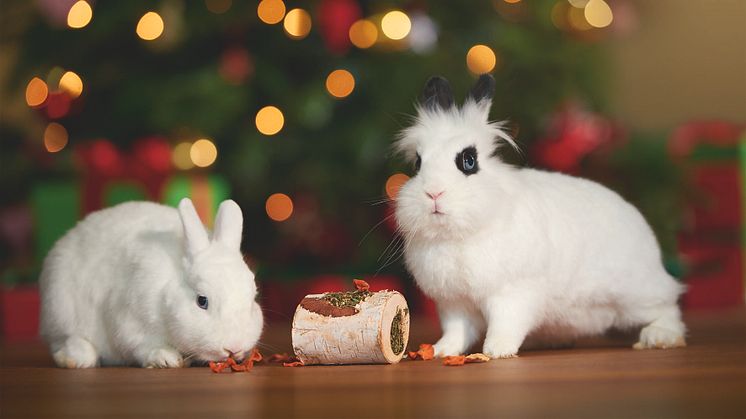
point(656, 337)
point(448, 347)
point(164, 358)
point(500, 350)
point(76, 353)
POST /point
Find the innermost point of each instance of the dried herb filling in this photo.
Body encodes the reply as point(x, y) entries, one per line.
point(346, 299)
point(397, 333)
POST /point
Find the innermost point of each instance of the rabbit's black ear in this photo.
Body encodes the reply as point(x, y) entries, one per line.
point(437, 94)
point(484, 89)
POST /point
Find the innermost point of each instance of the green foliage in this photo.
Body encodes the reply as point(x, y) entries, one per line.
point(336, 151)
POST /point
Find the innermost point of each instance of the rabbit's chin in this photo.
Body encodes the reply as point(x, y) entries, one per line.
point(436, 227)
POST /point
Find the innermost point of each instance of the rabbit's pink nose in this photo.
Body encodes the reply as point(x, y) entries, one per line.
point(434, 195)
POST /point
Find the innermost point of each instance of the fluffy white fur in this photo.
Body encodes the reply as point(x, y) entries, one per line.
point(120, 288)
point(522, 251)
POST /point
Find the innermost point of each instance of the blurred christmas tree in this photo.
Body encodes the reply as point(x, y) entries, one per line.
point(183, 71)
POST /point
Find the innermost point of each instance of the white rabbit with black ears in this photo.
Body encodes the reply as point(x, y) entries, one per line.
point(517, 251)
point(142, 283)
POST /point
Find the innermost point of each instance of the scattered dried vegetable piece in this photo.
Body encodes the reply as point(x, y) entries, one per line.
point(477, 357)
point(454, 361)
point(283, 357)
point(293, 364)
point(361, 285)
point(245, 366)
point(425, 353)
point(218, 367)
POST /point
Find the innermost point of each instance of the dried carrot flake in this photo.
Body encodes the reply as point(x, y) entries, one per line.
point(477, 357)
point(293, 364)
point(283, 357)
point(425, 353)
point(218, 367)
point(231, 363)
point(256, 356)
point(361, 285)
point(454, 361)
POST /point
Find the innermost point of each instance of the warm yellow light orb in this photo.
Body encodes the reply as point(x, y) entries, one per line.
point(394, 183)
point(340, 83)
point(598, 13)
point(203, 153)
point(79, 15)
point(396, 25)
point(72, 84)
point(279, 207)
point(150, 26)
point(55, 137)
point(481, 59)
point(297, 23)
point(578, 3)
point(512, 1)
point(271, 11)
point(269, 120)
point(181, 156)
point(36, 92)
point(363, 33)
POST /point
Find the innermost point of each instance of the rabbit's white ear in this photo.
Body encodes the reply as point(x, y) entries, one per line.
point(229, 224)
point(194, 231)
point(482, 92)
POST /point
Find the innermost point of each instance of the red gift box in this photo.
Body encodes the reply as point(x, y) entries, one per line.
point(19, 312)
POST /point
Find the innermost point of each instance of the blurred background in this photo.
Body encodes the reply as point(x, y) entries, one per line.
point(290, 108)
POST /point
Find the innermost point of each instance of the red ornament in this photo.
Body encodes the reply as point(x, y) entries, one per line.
point(335, 18)
point(236, 65)
point(572, 134)
point(149, 165)
point(58, 104)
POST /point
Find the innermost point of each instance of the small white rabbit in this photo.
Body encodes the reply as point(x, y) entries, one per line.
point(142, 283)
point(521, 251)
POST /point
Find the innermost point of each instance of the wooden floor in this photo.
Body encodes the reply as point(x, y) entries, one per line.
point(598, 379)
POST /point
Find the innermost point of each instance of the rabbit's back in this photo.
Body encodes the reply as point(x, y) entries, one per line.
point(100, 260)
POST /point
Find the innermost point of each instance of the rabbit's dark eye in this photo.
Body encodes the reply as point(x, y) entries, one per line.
point(417, 163)
point(466, 161)
point(202, 302)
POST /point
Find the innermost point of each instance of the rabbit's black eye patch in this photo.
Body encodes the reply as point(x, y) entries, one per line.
point(202, 302)
point(417, 163)
point(466, 161)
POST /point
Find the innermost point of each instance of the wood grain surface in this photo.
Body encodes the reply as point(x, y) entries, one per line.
point(600, 378)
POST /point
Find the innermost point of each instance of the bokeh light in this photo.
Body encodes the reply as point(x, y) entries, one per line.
point(79, 15)
point(363, 34)
point(396, 25)
point(598, 13)
point(181, 156)
point(55, 137)
point(394, 183)
point(271, 11)
point(72, 84)
point(279, 207)
point(340, 83)
point(150, 26)
point(58, 104)
point(578, 3)
point(512, 1)
point(269, 120)
point(203, 153)
point(576, 19)
point(218, 6)
point(481, 59)
point(297, 23)
point(36, 92)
